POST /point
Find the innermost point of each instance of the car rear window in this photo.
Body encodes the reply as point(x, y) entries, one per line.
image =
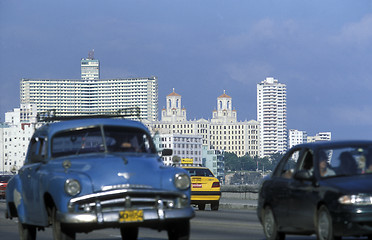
point(203, 172)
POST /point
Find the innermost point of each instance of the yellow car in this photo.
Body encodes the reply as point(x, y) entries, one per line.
point(205, 188)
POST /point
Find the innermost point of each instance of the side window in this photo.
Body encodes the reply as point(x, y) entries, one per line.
point(307, 163)
point(37, 150)
point(290, 164)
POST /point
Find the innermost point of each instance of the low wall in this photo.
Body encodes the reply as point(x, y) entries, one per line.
point(249, 192)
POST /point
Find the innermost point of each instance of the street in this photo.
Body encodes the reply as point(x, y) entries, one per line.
point(225, 224)
point(222, 224)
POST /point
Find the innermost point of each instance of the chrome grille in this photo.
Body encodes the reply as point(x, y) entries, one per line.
point(116, 200)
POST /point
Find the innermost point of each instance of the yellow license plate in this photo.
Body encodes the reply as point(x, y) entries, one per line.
point(131, 216)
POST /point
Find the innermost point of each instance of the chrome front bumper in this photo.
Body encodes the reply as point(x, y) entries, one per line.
point(105, 207)
point(113, 217)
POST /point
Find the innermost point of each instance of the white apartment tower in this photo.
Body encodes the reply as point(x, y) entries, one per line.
point(90, 67)
point(272, 116)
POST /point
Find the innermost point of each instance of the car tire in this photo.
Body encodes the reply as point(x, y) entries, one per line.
point(59, 231)
point(201, 207)
point(179, 230)
point(270, 226)
point(129, 233)
point(324, 227)
point(26, 232)
point(215, 205)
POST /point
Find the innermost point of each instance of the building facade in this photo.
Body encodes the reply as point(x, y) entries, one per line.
point(296, 137)
point(321, 136)
point(272, 116)
point(222, 132)
point(15, 135)
point(187, 149)
point(214, 160)
point(90, 67)
point(80, 96)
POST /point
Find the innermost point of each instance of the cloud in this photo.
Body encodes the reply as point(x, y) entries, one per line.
point(348, 115)
point(263, 32)
point(356, 33)
point(247, 73)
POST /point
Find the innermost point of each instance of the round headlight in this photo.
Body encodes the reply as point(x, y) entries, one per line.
point(182, 181)
point(72, 187)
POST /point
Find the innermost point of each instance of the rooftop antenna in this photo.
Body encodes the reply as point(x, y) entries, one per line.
point(91, 54)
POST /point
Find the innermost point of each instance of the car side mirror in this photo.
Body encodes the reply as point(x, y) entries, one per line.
point(166, 152)
point(304, 175)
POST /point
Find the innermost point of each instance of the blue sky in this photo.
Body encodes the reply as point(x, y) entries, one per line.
point(320, 49)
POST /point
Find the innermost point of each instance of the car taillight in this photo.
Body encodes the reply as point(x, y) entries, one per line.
point(216, 184)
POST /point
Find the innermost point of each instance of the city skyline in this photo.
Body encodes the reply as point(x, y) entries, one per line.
point(319, 49)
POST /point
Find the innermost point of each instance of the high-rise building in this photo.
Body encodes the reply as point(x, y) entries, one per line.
point(90, 67)
point(76, 97)
point(272, 115)
point(92, 95)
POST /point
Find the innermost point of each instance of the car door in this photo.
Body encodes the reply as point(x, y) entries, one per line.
point(303, 195)
point(279, 187)
point(29, 175)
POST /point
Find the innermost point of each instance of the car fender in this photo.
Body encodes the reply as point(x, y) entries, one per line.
point(168, 182)
point(57, 182)
point(14, 200)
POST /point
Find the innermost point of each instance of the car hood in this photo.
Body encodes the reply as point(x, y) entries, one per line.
point(352, 184)
point(110, 171)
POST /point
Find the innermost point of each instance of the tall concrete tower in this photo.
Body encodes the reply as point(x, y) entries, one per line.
point(173, 111)
point(90, 67)
point(224, 112)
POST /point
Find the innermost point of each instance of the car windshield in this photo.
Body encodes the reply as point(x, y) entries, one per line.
point(203, 172)
point(345, 161)
point(5, 178)
point(109, 139)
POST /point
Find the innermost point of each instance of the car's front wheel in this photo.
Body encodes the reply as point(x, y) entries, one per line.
point(270, 226)
point(129, 233)
point(26, 232)
point(324, 227)
point(179, 230)
point(59, 231)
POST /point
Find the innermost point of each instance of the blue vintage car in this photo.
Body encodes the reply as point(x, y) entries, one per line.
point(87, 174)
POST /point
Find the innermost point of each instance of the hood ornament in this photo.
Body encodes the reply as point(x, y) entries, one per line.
point(66, 164)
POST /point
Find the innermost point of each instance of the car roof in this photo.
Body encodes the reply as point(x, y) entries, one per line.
point(338, 143)
point(195, 167)
point(52, 128)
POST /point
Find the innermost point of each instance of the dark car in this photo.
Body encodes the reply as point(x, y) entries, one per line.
point(88, 174)
point(323, 188)
point(3, 183)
